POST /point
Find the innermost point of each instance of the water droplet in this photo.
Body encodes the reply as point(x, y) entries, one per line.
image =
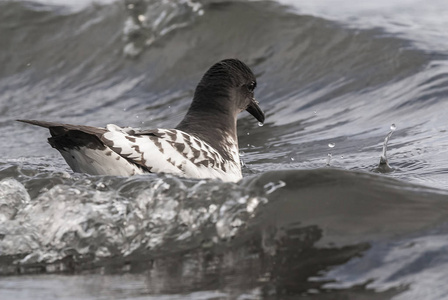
point(169, 106)
point(342, 156)
point(242, 153)
point(131, 6)
point(242, 163)
point(248, 133)
point(260, 124)
point(141, 18)
point(292, 158)
point(331, 145)
point(28, 64)
point(393, 127)
point(315, 112)
point(252, 204)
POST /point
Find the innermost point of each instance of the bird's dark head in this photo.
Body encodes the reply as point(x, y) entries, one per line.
point(229, 85)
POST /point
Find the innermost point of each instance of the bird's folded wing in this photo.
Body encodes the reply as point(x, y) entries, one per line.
point(163, 150)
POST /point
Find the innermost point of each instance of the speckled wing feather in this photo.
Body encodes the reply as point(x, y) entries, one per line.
point(84, 152)
point(170, 151)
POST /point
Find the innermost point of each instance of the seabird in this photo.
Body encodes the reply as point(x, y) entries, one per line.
point(203, 145)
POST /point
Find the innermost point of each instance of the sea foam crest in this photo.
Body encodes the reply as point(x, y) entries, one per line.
point(101, 219)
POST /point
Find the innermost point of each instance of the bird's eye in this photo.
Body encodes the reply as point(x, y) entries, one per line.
point(251, 86)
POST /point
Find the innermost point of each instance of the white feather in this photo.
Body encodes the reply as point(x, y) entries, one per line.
point(99, 162)
point(161, 153)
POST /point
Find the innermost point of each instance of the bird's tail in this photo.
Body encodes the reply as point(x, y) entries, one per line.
point(44, 124)
point(60, 128)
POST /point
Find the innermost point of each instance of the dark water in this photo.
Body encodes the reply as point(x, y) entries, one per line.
point(294, 228)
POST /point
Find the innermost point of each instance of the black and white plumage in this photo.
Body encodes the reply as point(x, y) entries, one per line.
point(203, 145)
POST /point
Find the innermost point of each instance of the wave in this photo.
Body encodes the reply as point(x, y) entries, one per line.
point(293, 225)
point(60, 223)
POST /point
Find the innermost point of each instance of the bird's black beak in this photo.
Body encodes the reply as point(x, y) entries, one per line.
point(255, 110)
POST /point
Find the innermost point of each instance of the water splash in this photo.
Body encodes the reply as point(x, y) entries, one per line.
point(149, 20)
point(13, 196)
point(241, 154)
point(384, 166)
point(94, 219)
point(272, 186)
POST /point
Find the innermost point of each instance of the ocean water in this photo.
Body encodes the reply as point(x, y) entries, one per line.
point(313, 218)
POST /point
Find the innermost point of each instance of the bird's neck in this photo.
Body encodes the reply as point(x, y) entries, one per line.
point(215, 126)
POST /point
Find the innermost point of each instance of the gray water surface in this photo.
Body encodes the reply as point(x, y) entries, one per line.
point(328, 72)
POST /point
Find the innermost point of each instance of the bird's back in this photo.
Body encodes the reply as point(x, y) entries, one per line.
point(125, 151)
